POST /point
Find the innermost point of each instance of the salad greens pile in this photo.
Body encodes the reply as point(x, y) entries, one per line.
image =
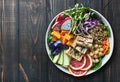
point(80, 14)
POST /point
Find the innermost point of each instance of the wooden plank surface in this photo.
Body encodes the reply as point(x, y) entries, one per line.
point(9, 41)
point(32, 26)
point(23, 57)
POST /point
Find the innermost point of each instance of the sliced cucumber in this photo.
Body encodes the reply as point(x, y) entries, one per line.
point(55, 59)
point(67, 60)
point(61, 58)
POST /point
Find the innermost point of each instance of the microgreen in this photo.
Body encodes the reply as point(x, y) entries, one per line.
point(77, 14)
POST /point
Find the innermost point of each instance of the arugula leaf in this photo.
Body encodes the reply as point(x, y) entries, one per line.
point(93, 15)
point(51, 55)
point(49, 37)
point(108, 51)
point(108, 30)
point(98, 65)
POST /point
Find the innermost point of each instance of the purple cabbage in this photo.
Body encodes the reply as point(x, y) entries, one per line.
point(51, 45)
point(58, 43)
point(65, 47)
point(56, 51)
point(89, 23)
point(56, 47)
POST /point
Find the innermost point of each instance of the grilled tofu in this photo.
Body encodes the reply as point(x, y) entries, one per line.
point(84, 41)
point(79, 47)
point(74, 53)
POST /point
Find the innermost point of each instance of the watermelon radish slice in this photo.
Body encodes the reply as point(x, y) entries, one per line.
point(88, 64)
point(66, 24)
point(77, 65)
point(77, 73)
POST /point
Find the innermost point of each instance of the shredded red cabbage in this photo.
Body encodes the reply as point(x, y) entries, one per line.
point(89, 23)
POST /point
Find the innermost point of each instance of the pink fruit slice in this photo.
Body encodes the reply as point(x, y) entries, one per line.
point(56, 26)
point(66, 24)
point(77, 73)
point(88, 64)
point(77, 65)
point(60, 17)
point(60, 21)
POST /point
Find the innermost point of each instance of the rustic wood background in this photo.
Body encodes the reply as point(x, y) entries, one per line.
point(23, 57)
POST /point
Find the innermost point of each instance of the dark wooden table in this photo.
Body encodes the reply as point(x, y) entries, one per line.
point(23, 57)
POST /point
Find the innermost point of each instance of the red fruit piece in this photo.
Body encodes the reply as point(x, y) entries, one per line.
point(77, 65)
point(60, 17)
point(77, 73)
point(88, 64)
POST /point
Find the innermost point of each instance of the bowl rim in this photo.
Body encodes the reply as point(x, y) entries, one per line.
point(104, 60)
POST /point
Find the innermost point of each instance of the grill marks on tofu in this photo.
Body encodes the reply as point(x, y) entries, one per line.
point(84, 41)
point(80, 47)
point(74, 53)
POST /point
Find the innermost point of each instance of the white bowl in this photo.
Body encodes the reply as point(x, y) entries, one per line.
point(105, 58)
